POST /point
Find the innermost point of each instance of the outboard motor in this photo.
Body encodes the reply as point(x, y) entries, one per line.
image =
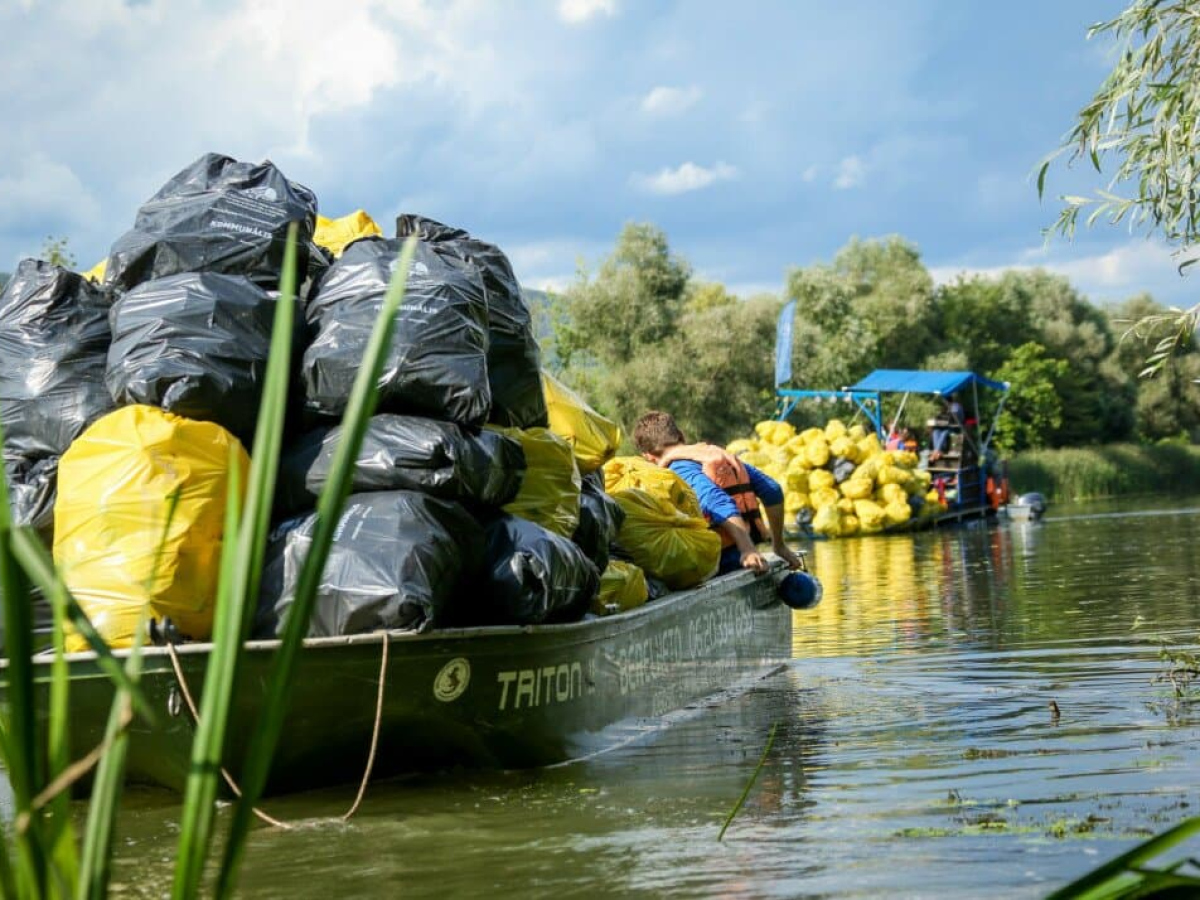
point(1035, 503)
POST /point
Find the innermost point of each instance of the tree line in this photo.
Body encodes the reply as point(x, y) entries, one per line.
point(642, 332)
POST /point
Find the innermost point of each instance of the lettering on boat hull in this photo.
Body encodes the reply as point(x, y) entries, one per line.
point(525, 688)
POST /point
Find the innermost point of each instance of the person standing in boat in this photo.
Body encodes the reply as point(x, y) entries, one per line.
point(950, 421)
point(728, 489)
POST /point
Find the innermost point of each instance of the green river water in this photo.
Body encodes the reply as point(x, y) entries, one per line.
point(917, 753)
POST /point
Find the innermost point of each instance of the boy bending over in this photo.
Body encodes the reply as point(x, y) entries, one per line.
point(728, 489)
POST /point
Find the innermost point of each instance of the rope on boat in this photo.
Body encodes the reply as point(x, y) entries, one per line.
point(362, 787)
point(233, 785)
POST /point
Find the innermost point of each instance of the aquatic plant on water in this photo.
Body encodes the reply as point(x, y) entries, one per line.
point(40, 856)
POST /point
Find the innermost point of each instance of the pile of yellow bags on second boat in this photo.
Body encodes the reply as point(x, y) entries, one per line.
point(875, 495)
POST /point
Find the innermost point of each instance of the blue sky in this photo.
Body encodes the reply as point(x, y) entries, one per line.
point(758, 135)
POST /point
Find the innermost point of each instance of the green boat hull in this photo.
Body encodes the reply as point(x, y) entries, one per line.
point(508, 697)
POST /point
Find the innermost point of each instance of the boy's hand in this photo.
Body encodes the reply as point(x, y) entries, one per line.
point(784, 552)
point(755, 561)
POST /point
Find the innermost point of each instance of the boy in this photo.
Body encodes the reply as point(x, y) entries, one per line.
point(729, 492)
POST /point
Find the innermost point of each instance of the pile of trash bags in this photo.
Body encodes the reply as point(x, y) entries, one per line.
point(838, 480)
point(481, 495)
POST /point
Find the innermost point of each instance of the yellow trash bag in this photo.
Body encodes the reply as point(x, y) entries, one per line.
point(741, 445)
point(870, 446)
point(827, 520)
point(845, 448)
point(113, 542)
point(897, 512)
point(335, 234)
point(856, 433)
point(893, 493)
point(797, 481)
point(856, 488)
point(824, 497)
point(549, 493)
point(820, 478)
point(816, 451)
point(870, 515)
point(850, 525)
point(793, 502)
point(96, 273)
point(622, 585)
point(678, 549)
point(834, 429)
point(634, 472)
point(810, 434)
point(594, 438)
point(798, 463)
point(773, 432)
point(892, 475)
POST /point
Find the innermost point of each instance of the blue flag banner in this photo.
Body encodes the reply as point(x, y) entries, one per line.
point(783, 344)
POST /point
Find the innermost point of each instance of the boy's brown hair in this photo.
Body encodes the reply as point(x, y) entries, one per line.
point(655, 432)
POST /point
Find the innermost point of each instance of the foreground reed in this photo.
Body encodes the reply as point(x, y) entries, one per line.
point(39, 853)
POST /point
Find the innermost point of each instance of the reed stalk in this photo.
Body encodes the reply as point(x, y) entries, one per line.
point(361, 406)
point(237, 591)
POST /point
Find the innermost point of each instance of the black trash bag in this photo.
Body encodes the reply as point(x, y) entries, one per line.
point(32, 487)
point(842, 468)
point(195, 345)
point(441, 459)
point(437, 363)
point(600, 518)
point(532, 576)
point(217, 215)
point(53, 340)
point(514, 360)
point(397, 562)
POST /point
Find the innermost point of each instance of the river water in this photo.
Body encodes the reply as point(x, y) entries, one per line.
point(971, 712)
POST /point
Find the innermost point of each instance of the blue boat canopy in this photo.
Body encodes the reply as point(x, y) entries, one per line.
point(913, 381)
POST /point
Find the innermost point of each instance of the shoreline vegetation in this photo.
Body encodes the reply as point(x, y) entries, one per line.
point(1098, 472)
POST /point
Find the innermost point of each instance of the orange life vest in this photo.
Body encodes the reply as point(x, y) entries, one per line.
point(734, 480)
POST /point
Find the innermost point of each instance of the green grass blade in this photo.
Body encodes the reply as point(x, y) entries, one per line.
point(196, 822)
point(96, 857)
point(31, 553)
point(237, 592)
point(24, 764)
point(1099, 881)
point(61, 834)
point(329, 507)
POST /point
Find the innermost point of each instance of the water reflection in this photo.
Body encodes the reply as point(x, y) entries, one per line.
point(918, 753)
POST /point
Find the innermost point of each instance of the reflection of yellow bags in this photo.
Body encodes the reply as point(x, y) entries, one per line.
point(635, 472)
point(115, 485)
point(594, 438)
point(335, 234)
point(679, 549)
point(549, 492)
point(622, 585)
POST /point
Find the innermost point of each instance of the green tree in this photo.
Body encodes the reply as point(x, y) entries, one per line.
point(640, 334)
point(1168, 406)
point(985, 319)
point(57, 252)
point(633, 303)
point(872, 307)
point(1144, 121)
point(1033, 411)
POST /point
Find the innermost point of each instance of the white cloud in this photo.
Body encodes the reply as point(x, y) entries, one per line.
point(684, 178)
point(670, 101)
point(851, 173)
point(46, 192)
point(1114, 274)
point(576, 12)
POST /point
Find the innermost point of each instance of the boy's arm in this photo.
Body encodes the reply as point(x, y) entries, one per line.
point(721, 512)
point(735, 527)
point(771, 496)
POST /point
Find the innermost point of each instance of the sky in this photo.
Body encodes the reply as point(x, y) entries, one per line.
point(758, 135)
